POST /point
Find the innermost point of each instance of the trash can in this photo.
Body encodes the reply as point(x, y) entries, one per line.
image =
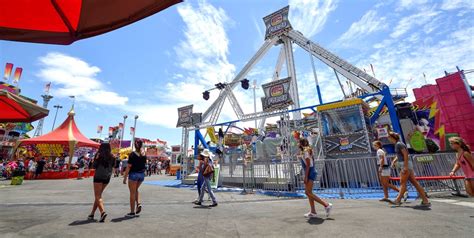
point(17, 180)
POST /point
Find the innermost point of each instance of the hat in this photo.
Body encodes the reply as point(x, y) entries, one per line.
point(207, 153)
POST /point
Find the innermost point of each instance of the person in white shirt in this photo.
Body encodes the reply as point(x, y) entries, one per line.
point(383, 170)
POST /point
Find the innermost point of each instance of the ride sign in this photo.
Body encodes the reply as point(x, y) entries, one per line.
point(185, 116)
point(277, 95)
point(277, 23)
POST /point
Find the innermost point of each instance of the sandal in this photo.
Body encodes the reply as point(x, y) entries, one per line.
point(139, 208)
point(102, 217)
point(384, 200)
point(90, 217)
point(425, 204)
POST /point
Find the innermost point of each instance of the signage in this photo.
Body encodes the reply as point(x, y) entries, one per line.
point(344, 143)
point(185, 116)
point(277, 23)
point(277, 95)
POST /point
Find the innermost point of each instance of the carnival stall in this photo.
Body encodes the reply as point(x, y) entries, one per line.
point(66, 139)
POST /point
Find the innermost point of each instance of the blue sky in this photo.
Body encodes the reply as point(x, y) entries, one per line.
point(167, 60)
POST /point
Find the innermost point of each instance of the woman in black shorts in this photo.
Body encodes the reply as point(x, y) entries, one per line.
point(103, 164)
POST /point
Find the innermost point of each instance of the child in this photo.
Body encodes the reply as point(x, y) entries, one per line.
point(307, 162)
point(384, 171)
point(464, 161)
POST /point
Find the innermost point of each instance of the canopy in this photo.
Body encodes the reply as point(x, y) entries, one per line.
point(14, 108)
point(66, 134)
point(65, 21)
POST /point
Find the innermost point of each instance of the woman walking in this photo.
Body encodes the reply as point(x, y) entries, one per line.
point(464, 161)
point(407, 173)
point(384, 171)
point(136, 174)
point(103, 165)
point(207, 169)
point(307, 162)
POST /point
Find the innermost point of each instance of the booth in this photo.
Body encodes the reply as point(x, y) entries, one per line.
point(345, 128)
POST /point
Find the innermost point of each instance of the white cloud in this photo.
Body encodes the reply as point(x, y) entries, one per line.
point(368, 24)
point(73, 76)
point(310, 16)
point(406, 4)
point(202, 56)
point(413, 56)
point(409, 22)
point(456, 4)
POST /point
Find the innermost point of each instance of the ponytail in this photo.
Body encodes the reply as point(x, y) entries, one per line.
point(461, 143)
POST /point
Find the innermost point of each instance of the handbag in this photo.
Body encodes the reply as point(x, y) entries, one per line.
point(208, 171)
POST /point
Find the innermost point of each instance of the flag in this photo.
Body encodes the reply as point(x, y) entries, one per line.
point(132, 130)
point(372, 67)
point(111, 130)
point(99, 129)
point(17, 75)
point(120, 126)
point(47, 87)
point(8, 71)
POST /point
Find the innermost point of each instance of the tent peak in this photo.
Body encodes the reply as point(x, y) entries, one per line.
point(71, 113)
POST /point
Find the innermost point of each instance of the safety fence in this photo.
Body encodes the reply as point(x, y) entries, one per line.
point(336, 176)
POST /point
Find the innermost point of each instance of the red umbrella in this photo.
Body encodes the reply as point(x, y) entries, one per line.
point(65, 21)
point(14, 108)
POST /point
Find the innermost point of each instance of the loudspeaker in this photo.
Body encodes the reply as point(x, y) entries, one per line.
point(404, 110)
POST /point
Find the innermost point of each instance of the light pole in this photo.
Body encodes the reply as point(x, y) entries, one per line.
point(254, 87)
point(134, 130)
point(57, 109)
point(123, 130)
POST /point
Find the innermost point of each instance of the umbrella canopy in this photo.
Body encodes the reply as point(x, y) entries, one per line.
point(14, 108)
point(65, 21)
point(66, 134)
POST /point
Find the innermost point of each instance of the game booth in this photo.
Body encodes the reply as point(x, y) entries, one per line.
point(64, 140)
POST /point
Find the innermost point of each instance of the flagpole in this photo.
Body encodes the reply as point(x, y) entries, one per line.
point(134, 130)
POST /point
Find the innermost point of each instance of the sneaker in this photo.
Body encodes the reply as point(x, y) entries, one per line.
point(310, 215)
point(139, 209)
point(90, 217)
point(328, 209)
point(198, 203)
point(405, 196)
point(130, 215)
point(213, 205)
point(102, 217)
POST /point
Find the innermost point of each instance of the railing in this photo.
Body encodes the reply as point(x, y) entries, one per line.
point(336, 176)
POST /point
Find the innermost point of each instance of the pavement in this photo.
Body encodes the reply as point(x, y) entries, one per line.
point(59, 208)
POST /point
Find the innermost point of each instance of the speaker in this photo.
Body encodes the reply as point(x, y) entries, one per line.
point(404, 110)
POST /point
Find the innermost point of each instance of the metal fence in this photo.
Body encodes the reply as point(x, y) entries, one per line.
point(335, 176)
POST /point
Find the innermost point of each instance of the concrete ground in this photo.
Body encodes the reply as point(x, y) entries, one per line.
point(58, 208)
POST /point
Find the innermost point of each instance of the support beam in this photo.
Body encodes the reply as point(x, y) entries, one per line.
point(290, 66)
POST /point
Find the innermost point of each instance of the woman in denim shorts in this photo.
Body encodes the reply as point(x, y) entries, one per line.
point(135, 173)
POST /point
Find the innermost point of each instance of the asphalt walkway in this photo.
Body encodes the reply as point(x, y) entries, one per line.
point(59, 208)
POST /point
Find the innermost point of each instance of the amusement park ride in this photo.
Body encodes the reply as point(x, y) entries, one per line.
point(279, 32)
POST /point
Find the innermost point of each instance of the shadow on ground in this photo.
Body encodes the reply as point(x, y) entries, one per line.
point(82, 222)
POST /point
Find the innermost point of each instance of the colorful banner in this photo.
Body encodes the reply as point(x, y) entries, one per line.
point(132, 131)
point(17, 75)
point(277, 95)
point(111, 131)
point(50, 149)
point(277, 23)
point(185, 116)
point(8, 71)
point(47, 87)
point(99, 129)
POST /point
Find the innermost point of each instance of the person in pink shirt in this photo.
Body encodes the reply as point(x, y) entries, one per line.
point(464, 161)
